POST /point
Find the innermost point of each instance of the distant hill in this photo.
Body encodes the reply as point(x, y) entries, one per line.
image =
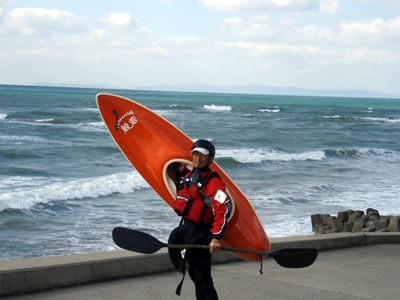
point(269, 90)
point(245, 89)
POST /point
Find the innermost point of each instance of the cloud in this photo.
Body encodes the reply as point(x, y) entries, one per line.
point(375, 32)
point(2, 4)
point(371, 56)
point(377, 29)
point(371, 43)
point(267, 49)
point(310, 55)
point(255, 28)
point(31, 21)
point(330, 7)
point(271, 29)
point(184, 39)
point(265, 6)
point(119, 20)
point(257, 41)
point(316, 34)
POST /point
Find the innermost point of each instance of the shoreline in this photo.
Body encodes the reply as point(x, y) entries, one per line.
point(37, 274)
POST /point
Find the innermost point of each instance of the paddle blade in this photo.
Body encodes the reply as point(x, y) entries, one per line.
point(137, 241)
point(295, 257)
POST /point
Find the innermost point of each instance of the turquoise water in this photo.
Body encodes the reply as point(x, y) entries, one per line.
point(64, 183)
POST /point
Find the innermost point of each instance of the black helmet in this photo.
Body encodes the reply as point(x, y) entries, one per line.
point(204, 146)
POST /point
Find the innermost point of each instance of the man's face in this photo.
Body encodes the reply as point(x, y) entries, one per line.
point(200, 160)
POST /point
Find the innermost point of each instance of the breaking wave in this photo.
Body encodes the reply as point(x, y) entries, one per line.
point(213, 107)
point(382, 120)
point(28, 192)
point(251, 155)
point(90, 126)
point(270, 110)
point(362, 153)
point(260, 155)
point(373, 119)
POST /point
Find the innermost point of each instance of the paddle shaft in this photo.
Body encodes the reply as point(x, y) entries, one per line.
point(142, 242)
point(195, 246)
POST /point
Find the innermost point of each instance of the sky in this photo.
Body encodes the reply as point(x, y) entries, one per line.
point(310, 44)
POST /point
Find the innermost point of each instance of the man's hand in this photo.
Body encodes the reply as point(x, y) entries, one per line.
point(215, 245)
point(182, 168)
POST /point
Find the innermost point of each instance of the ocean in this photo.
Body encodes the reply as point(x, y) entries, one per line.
point(64, 184)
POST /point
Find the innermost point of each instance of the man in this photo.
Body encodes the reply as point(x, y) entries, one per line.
point(205, 207)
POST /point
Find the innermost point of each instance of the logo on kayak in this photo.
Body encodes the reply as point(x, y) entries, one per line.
point(129, 123)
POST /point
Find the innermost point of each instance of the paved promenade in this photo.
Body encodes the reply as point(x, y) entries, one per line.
point(358, 272)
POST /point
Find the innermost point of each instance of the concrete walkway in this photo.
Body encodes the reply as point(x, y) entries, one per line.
point(369, 272)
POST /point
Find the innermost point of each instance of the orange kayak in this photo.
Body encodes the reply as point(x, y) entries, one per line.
point(154, 147)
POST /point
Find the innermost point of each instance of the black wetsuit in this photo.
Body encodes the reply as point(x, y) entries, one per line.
point(199, 260)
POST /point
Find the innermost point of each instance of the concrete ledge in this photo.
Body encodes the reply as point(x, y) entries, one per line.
point(335, 240)
point(320, 242)
point(30, 275)
point(383, 238)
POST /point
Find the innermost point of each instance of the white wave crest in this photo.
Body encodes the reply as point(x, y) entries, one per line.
point(213, 107)
point(370, 110)
point(383, 120)
point(332, 117)
point(3, 116)
point(368, 153)
point(350, 151)
point(165, 113)
point(90, 109)
point(45, 120)
point(40, 191)
point(80, 109)
point(275, 110)
point(22, 138)
point(260, 155)
point(389, 154)
point(90, 127)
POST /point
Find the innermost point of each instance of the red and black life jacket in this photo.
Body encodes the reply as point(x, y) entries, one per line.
point(192, 203)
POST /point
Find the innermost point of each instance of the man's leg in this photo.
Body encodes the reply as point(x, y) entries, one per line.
point(200, 272)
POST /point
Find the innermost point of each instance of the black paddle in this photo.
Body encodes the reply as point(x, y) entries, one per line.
point(137, 241)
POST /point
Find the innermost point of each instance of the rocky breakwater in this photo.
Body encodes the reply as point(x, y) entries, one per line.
point(355, 221)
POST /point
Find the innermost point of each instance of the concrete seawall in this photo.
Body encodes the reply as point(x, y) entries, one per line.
point(30, 275)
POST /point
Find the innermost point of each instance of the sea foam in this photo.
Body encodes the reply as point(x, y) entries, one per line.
point(275, 110)
point(332, 117)
point(259, 155)
point(45, 120)
point(32, 191)
point(90, 126)
point(165, 112)
point(383, 120)
point(23, 138)
point(213, 107)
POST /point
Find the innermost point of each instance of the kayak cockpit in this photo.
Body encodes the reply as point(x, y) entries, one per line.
point(170, 174)
point(171, 180)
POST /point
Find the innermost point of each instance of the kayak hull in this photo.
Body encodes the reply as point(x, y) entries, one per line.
point(153, 146)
